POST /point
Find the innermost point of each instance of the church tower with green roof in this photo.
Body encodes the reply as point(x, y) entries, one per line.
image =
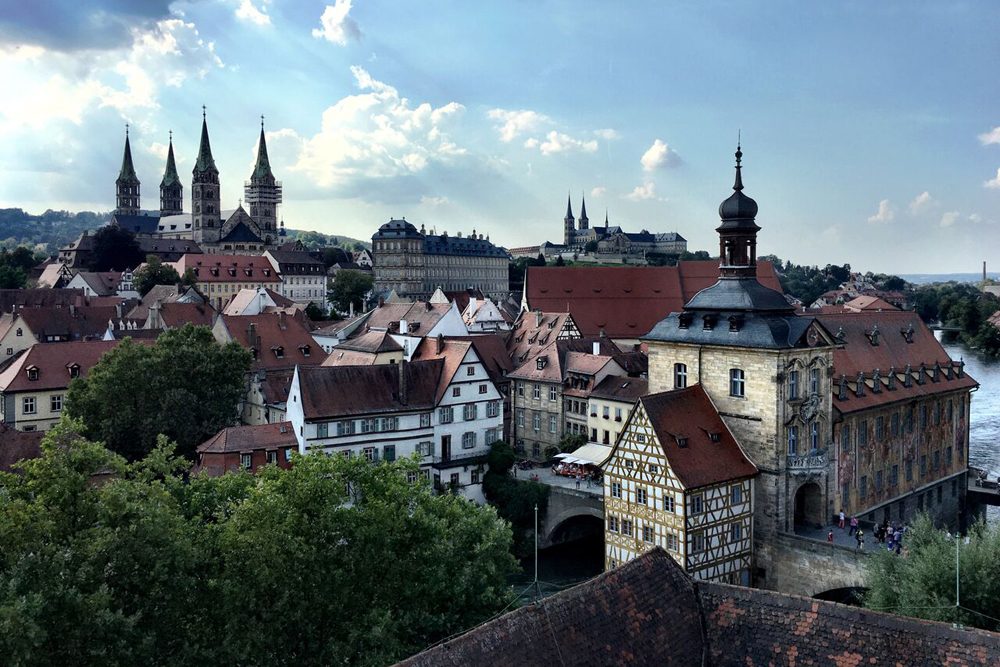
point(171, 189)
point(263, 192)
point(205, 196)
point(127, 184)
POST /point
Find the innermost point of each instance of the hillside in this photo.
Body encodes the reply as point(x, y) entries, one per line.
point(46, 232)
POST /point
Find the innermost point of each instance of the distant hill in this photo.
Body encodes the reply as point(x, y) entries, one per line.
point(46, 232)
point(318, 240)
point(925, 278)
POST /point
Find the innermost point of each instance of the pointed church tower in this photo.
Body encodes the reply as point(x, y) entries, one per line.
point(127, 184)
point(263, 192)
point(205, 191)
point(171, 190)
point(738, 231)
point(584, 220)
point(569, 223)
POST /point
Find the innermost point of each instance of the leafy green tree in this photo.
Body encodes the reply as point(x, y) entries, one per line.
point(316, 313)
point(921, 582)
point(154, 272)
point(115, 249)
point(349, 287)
point(331, 562)
point(560, 261)
point(514, 499)
point(185, 386)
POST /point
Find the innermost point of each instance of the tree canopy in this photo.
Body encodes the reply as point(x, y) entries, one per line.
point(349, 287)
point(185, 386)
point(115, 249)
point(14, 267)
point(921, 582)
point(154, 272)
point(334, 561)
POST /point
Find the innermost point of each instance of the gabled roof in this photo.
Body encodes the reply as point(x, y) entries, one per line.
point(35, 297)
point(246, 439)
point(245, 298)
point(53, 362)
point(449, 350)
point(866, 302)
point(342, 391)
point(174, 315)
point(143, 223)
point(492, 351)
point(104, 283)
point(241, 233)
point(164, 294)
point(624, 302)
point(685, 422)
point(212, 268)
point(533, 331)
point(616, 388)
point(278, 340)
point(420, 316)
point(74, 322)
point(374, 342)
point(275, 384)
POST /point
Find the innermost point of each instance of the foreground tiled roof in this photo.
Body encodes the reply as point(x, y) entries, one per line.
point(648, 612)
point(688, 416)
point(18, 446)
point(335, 391)
point(624, 302)
point(245, 439)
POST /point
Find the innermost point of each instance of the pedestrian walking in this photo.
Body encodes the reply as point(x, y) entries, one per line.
point(843, 518)
point(578, 481)
point(829, 536)
point(854, 525)
point(860, 537)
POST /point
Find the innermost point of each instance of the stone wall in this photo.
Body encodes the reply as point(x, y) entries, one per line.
point(565, 504)
point(802, 566)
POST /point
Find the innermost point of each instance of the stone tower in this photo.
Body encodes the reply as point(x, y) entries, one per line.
point(738, 231)
point(569, 223)
point(584, 220)
point(171, 190)
point(127, 184)
point(263, 193)
point(205, 191)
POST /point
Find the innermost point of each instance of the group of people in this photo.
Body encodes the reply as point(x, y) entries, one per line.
point(888, 534)
point(581, 473)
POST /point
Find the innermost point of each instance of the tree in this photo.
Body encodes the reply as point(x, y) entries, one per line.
point(185, 386)
point(591, 246)
point(560, 261)
point(155, 272)
point(115, 249)
point(349, 287)
point(334, 561)
point(515, 500)
point(316, 313)
point(921, 582)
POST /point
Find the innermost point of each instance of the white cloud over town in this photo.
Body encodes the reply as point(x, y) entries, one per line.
point(247, 11)
point(991, 137)
point(336, 24)
point(993, 183)
point(658, 156)
point(885, 213)
point(642, 192)
point(921, 203)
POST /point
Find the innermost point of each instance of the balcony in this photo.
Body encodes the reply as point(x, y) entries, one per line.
point(816, 460)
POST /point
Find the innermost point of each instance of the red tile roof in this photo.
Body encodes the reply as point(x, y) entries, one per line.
point(280, 341)
point(53, 362)
point(245, 439)
point(448, 350)
point(857, 354)
point(18, 446)
point(420, 316)
point(533, 331)
point(175, 315)
point(228, 268)
point(72, 322)
point(689, 415)
point(624, 302)
point(11, 299)
point(341, 391)
point(492, 351)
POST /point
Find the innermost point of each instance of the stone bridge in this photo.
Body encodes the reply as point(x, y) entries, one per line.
point(572, 514)
point(805, 566)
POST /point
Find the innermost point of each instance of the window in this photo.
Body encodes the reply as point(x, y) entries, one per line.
point(272, 457)
point(446, 415)
point(845, 438)
point(482, 389)
point(369, 425)
point(947, 454)
point(647, 534)
point(322, 430)
point(345, 427)
point(673, 544)
point(491, 436)
point(923, 416)
point(894, 424)
point(389, 453)
point(470, 370)
point(937, 413)
point(425, 448)
point(616, 489)
point(737, 382)
point(937, 459)
point(697, 542)
point(28, 405)
point(909, 471)
point(680, 376)
point(456, 391)
point(923, 465)
point(735, 494)
point(455, 480)
point(370, 454)
point(626, 527)
point(606, 413)
point(793, 440)
point(425, 419)
point(245, 461)
point(19, 332)
point(536, 391)
point(697, 504)
point(845, 494)
point(640, 496)
point(613, 524)
point(735, 532)
point(618, 414)
point(493, 409)
point(553, 425)
point(520, 417)
point(475, 476)
point(814, 437)
point(878, 481)
point(813, 380)
point(862, 433)
point(552, 393)
point(470, 411)
point(668, 503)
point(879, 428)
point(32, 374)
point(56, 403)
point(536, 421)
point(520, 389)
point(652, 468)
point(894, 475)
point(793, 385)
point(863, 486)
point(468, 440)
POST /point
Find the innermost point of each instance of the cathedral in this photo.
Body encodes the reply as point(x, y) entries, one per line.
point(233, 231)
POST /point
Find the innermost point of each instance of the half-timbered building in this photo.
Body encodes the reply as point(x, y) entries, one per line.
point(678, 479)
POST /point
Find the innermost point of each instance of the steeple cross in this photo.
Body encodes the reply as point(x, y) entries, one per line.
point(262, 121)
point(126, 129)
point(203, 117)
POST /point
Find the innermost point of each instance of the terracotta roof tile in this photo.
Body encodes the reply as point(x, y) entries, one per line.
point(281, 341)
point(18, 446)
point(336, 391)
point(53, 362)
point(245, 439)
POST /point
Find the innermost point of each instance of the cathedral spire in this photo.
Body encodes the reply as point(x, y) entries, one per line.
point(569, 206)
point(170, 176)
point(205, 162)
point(262, 170)
point(171, 190)
point(584, 220)
point(128, 170)
point(127, 184)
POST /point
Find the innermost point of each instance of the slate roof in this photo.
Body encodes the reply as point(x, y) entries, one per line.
point(397, 229)
point(621, 389)
point(35, 297)
point(245, 439)
point(18, 446)
point(340, 391)
point(241, 233)
point(648, 612)
point(275, 384)
point(465, 245)
point(163, 294)
point(76, 323)
point(755, 330)
point(624, 302)
point(856, 354)
point(144, 223)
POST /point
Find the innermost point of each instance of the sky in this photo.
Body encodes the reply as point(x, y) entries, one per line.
point(870, 131)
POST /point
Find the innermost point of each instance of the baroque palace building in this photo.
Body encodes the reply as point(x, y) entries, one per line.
point(871, 419)
point(414, 263)
point(213, 229)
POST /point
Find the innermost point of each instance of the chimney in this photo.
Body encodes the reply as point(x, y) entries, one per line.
point(281, 320)
point(597, 347)
point(538, 318)
point(350, 309)
point(404, 327)
point(118, 310)
point(440, 343)
point(402, 381)
point(252, 335)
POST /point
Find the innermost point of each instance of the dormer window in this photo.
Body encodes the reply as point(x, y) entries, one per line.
point(540, 363)
point(74, 370)
point(232, 272)
point(682, 441)
point(304, 349)
point(714, 437)
point(279, 352)
point(684, 321)
point(19, 332)
point(33, 373)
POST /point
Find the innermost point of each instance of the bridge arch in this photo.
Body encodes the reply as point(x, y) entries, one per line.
point(554, 523)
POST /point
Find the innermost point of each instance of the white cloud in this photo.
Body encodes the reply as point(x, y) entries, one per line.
point(336, 24)
point(377, 134)
point(557, 142)
point(514, 123)
point(921, 202)
point(885, 213)
point(993, 183)
point(247, 11)
point(607, 134)
point(991, 137)
point(642, 192)
point(658, 156)
point(434, 201)
point(949, 218)
point(598, 191)
point(975, 218)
